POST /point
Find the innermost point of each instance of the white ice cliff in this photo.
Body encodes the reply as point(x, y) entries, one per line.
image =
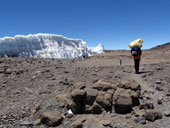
point(46, 46)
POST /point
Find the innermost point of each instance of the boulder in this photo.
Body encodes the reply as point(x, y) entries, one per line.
point(131, 84)
point(91, 95)
point(122, 101)
point(78, 95)
point(78, 101)
point(135, 96)
point(104, 86)
point(64, 99)
point(51, 118)
point(104, 99)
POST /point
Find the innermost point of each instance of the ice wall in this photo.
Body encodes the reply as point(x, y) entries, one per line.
point(46, 46)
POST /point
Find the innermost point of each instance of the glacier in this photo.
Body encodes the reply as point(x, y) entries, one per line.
point(43, 45)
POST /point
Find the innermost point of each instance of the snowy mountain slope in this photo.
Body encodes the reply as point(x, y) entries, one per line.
point(46, 46)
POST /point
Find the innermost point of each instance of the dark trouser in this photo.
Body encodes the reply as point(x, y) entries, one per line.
point(136, 65)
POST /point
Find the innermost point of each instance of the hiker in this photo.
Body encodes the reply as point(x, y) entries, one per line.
point(136, 53)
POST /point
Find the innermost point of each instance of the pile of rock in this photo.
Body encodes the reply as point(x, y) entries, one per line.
point(101, 97)
point(104, 96)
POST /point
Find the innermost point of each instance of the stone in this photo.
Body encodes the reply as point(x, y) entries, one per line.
point(104, 86)
point(2, 70)
point(146, 105)
point(69, 115)
point(87, 109)
point(8, 71)
point(158, 82)
point(138, 113)
point(159, 101)
point(135, 95)
point(74, 102)
point(91, 95)
point(77, 124)
point(75, 107)
point(35, 108)
point(78, 95)
point(131, 84)
point(51, 118)
point(80, 85)
point(122, 101)
point(96, 109)
point(104, 99)
point(17, 72)
point(111, 91)
point(37, 122)
point(152, 115)
point(140, 120)
point(167, 93)
point(159, 88)
point(64, 100)
point(168, 90)
point(167, 113)
point(26, 123)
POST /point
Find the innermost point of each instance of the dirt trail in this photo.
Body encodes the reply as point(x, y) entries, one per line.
point(154, 95)
point(141, 81)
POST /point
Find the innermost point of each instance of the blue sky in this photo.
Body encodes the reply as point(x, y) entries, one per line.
point(114, 23)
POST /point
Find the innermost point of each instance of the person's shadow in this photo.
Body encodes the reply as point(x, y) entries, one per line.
point(144, 72)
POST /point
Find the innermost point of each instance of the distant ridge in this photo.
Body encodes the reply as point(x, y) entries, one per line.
point(162, 47)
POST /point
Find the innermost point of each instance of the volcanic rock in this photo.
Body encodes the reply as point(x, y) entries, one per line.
point(131, 84)
point(152, 115)
point(91, 95)
point(104, 86)
point(51, 118)
point(104, 99)
point(122, 101)
point(78, 95)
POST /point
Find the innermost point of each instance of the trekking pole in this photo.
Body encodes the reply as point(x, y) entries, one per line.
point(120, 62)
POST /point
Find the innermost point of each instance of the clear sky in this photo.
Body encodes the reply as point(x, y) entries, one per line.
point(114, 23)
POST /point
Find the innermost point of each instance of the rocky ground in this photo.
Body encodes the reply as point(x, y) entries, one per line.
point(96, 92)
